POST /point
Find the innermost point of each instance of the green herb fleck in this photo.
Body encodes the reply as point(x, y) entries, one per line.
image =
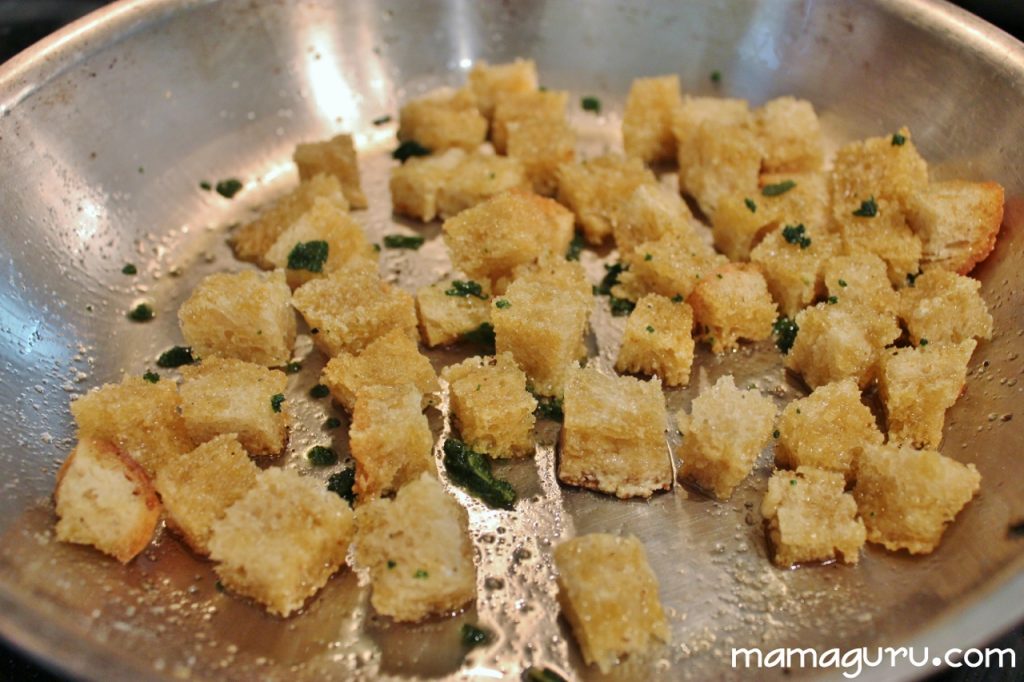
point(409, 149)
point(549, 407)
point(868, 209)
point(481, 336)
point(309, 256)
point(912, 278)
point(796, 234)
point(465, 289)
point(332, 423)
point(376, 248)
point(382, 120)
point(591, 103)
point(472, 636)
point(319, 391)
point(321, 456)
point(750, 204)
point(792, 481)
point(842, 283)
point(923, 342)
point(129, 269)
point(785, 331)
point(472, 471)
point(502, 303)
point(716, 77)
point(775, 433)
point(143, 312)
point(575, 247)
point(343, 484)
point(420, 574)
point(275, 401)
point(151, 377)
point(293, 367)
point(205, 185)
point(648, 257)
point(175, 357)
point(401, 241)
point(778, 188)
point(535, 674)
point(610, 279)
point(620, 307)
point(898, 140)
point(229, 188)
point(832, 300)
point(650, 329)
point(392, 563)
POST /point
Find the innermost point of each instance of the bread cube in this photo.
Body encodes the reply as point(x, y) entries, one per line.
point(743, 219)
point(790, 135)
point(725, 431)
point(489, 241)
point(730, 304)
point(652, 212)
point(140, 418)
point(442, 119)
point(352, 307)
point(907, 497)
point(515, 108)
point(811, 518)
point(281, 542)
point(487, 81)
point(198, 487)
point(390, 439)
point(877, 167)
point(594, 189)
point(327, 223)
point(918, 385)
point(658, 340)
point(671, 266)
point(613, 435)
point(337, 157)
point(418, 552)
point(251, 241)
point(885, 235)
point(416, 183)
point(231, 396)
point(647, 121)
point(840, 341)
point(493, 408)
point(825, 429)
point(478, 178)
point(444, 318)
point(958, 223)
point(609, 595)
point(792, 258)
point(862, 278)
point(725, 159)
point(104, 499)
point(694, 111)
point(390, 360)
point(245, 315)
point(566, 277)
point(944, 306)
point(542, 145)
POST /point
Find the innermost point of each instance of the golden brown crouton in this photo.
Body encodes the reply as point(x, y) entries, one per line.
point(595, 188)
point(416, 183)
point(231, 396)
point(337, 157)
point(694, 111)
point(353, 306)
point(442, 119)
point(390, 439)
point(609, 595)
point(652, 212)
point(493, 408)
point(888, 169)
point(863, 279)
point(884, 234)
point(918, 385)
point(790, 135)
point(647, 121)
point(515, 108)
point(445, 318)
point(671, 266)
point(730, 304)
point(281, 542)
point(944, 306)
point(488, 80)
point(104, 499)
point(958, 223)
point(658, 340)
point(810, 518)
point(825, 429)
point(198, 487)
point(725, 159)
point(477, 178)
point(542, 145)
point(390, 360)
point(907, 497)
point(613, 435)
point(722, 436)
point(245, 315)
point(792, 258)
point(418, 552)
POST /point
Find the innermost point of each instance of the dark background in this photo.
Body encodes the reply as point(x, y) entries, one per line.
point(23, 22)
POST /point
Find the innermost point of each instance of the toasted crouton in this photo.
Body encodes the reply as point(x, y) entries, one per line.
point(888, 169)
point(416, 183)
point(670, 266)
point(442, 119)
point(732, 303)
point(647, 121)
point(688, 117)
point(861, 278)
point(944, 306)
point(245, 315)
point(445, 318)
point(658, 340)
point(542, 145)
point(594, 189)
point(792, 258)
point(515, 108)
point(651, 212)
point(725, 159)
point(281, 542)
point(418, 552)
point(958, 223)
point(487, 81)
point(198, 487)
point(477, 178)
point(790, 135)
point(609, 595)
point(104, 499)
point(231, 396)
point(884, 234)
point(907, 497)
point(810, 518)
point(336, 157)
point(722, 436)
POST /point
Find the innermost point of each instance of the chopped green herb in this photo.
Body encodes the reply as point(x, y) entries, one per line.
point(719, 275)
point(276, 401)
point(332, 423)
point(923, 342)
point(143, 312)
point(610, 279)
point(502, 303)
point(309, 256)
point(293, 367)
point(620, 307)
point(176, 357)
point(465, 289)
point(420, 574)
point(796, 234)
point(778, 188)
point(912, 278)
point(842, 283)
point(785, 331)
point(648, 257)
point(716, 77)
point(409, 149)
point(792, 481)
point(549, 407)
point(898, 140)
point(775, 433)
point(229, 188)
point(205, 185)
point(376, 248)
point(650, 329)
point(343, 484)
point(678, 298)
point(471, 470)
point(321, 456)
point(382, 120)
point(129, 269)
point(575, 247)
point(392, 563)
point(591, 103)
point(151, 377)
point(319, 391)
point(481, 336)
point(472, 636)
point(401, 241)
point(750, 204)
point(868, 209)
point(491, 175)
point(535, 674)
point(832, 300)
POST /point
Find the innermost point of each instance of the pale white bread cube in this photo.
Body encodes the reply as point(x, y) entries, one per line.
point(416, 183)
point(282, 541)
point(725, 159)
point(957, 221)
point(104, 499)
point(647, 120)
point(861, 278)
point(514, 108)
point(944, 306)
point(245, 315)
point(594, 190)
point(446, 318)
point(609, 595)
point(650, 213)
point(488, 80)
point(337, 157)
point(671, 266)
point(732, 303)
point(441, 119)
point(418, 552)
point(541, 145)
point(907, 497)
point(790, 135)
point(722, 436)
point(478, 178)
point(792, 258)
point(658, 340)
point(694, 111)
